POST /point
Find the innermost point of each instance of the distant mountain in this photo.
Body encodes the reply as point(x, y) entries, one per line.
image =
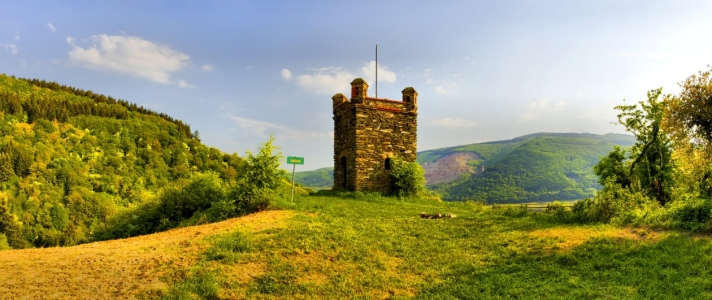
point(535, 167)
point(319, 178)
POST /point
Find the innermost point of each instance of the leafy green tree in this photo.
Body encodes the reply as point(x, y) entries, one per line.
point(6, 167)
point(260, 176)
point(650, 158)
point(262, 171)
point(407, 178)
point(9, 225)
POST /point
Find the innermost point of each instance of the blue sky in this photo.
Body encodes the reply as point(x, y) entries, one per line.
point(484, 70)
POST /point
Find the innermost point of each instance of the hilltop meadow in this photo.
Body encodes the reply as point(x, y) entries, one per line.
point(112, 200)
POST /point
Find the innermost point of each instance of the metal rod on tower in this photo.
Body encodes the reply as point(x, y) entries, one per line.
point(376, 70)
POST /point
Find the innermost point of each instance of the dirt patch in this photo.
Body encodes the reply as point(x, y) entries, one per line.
point(116, 269)
point(569, 238)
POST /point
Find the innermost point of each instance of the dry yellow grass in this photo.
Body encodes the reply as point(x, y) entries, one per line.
point(569, 238)
point(117, 269)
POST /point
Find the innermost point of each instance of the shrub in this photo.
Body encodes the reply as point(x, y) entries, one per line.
point(199, 195)
point(407, 178)
point(693, 214)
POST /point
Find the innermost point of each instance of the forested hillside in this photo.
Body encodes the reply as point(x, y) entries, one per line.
point(70, 159)
point(537, 167)
point(319, 178)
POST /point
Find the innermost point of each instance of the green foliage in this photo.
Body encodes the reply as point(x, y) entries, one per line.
point(651, 162)
point(262, 171)
point(613, 166)
point(10, 228)
point(262, 177)
point(693, 214)
point(3, 242)
point(407, 178)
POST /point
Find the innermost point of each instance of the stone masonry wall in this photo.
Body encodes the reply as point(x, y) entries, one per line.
point(367, 131)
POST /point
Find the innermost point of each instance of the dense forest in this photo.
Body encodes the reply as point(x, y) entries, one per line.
point(72, 161)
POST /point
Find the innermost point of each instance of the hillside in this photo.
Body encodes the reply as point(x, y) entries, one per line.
point(319, 178)
point(537, 167)
point(348, 246)
point(70, 160)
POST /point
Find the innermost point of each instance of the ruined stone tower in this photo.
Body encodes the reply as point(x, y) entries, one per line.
point(368, 132)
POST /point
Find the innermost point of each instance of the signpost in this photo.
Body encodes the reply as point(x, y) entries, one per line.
point(294, 161)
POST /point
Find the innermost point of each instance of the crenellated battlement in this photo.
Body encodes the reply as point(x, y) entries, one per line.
point(369, 131)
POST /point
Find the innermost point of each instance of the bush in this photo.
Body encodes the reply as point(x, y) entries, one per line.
point(693, 214)
point(407, 178)
point(199, 195)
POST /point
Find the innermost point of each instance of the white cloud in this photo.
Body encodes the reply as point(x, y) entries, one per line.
point(262, 128)
point(17, 36)
point(248, 68)
point(182, 83)
point(529, 116)
point(51, 27)
point(326, 81)
point(70, 40)
point(286, 74)
point(10, 48)
point(547, 105)
point(130, 55)
point(207, 68)
point(368, 72)
point(446, 89)
point(450, 122)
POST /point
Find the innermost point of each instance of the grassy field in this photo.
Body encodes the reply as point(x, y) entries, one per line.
point(364, 246)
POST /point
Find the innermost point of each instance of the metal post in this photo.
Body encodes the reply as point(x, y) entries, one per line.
point(294, 167)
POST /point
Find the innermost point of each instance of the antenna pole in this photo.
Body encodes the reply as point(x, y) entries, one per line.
point(376, 70)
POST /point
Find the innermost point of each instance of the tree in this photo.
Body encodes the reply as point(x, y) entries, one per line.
point(689, 115)
point(260, 176)
point(613, 166)
point(689, 122)
point(262, 171)
point(9, 225)
point(650, 158)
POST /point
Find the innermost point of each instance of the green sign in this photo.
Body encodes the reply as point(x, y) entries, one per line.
point(293, 160)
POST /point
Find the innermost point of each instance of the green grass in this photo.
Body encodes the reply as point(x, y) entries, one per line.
point(366, 246)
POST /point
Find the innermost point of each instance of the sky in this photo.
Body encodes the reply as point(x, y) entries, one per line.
point(237, 71)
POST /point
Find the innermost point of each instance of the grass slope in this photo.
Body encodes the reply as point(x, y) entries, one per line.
point(365, 246)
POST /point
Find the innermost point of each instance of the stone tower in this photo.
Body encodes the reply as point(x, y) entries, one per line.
point(368, 132)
